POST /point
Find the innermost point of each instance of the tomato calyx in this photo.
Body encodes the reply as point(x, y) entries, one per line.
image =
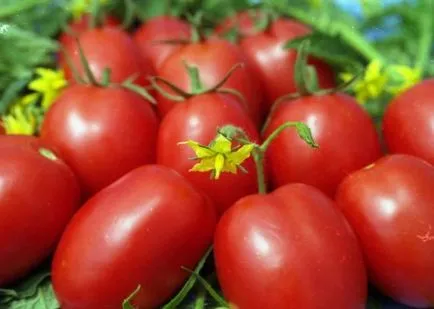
point(196, 85)
point(306, 80)
point(220, 156)
point(90, 79)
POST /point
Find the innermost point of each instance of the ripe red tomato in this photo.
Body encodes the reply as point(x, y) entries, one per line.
point(345, 133)
point(407, 122)
point(76, 27)
point(204, 55)
point(390, 206)
point(139, 230)
point(198, 119)
point(291, 248)
point(274, 65)
point(112, 48)
point(102, 133)
point(38, 196)
point(157, 29)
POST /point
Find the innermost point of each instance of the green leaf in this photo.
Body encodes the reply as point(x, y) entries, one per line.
point(35, 292)
point(188, 286)
point(306, 134)
point(331, 49)
point(146, 9)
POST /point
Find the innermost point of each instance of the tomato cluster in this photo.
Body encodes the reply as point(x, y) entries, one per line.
point(108, 188)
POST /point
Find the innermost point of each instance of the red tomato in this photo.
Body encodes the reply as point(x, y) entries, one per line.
point(38, 196)
point(291, 248)
point(345, 133)
point(204, 55)
point(2, 129)
point(273, 65)
point(407, 122)
point(390, 206)
point(243, 22)
point(102, 133)
point(157, 29)
point(111, 48)
point(139, 230)
point(76, 27)
point(198, 119)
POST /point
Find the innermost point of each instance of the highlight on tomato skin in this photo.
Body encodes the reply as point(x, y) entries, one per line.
point(138, 231)
point(291, 248)
point(389, 206)
point(98, 144)
point(38, 196)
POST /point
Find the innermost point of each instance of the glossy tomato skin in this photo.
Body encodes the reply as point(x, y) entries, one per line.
point(390, 206)
point(102, 133)
point(345, 133)
point(158, 29)
point(109, 47)
point(38, 196)
point(407, 122)
point(139, 230)
point(77, 27)
point(198, 119)
point(274, 65)
point(203, 55)
point(291, 248)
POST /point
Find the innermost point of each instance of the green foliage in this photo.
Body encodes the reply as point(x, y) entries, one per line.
point(36, 292)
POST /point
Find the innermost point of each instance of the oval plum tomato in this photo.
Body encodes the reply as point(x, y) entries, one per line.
point(198, 119)
point(291, 248)
point(203, 55)
point(112, 48)
point(390, 206)
point(345, 133)
point(76, 27)
point(102, 133)
point(140, 230)
point(272, 64)
point(157, 29)
point(407, 122)
point(38, 196)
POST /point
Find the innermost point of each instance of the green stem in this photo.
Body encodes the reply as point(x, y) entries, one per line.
point(258, 157)
point(200, 301)
point(426, 38)
point(95, 11)
point(195, 81)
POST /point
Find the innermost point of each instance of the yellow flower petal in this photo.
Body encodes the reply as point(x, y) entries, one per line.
point(373, 71)
point(241, 154)
point(29, 99)
point(205, 165)
point(199, 150)
point(218, 165)
point(346, 76)
point(221, 144)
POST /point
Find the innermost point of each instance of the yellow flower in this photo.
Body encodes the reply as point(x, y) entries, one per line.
point(219, 156)
point(405, 77)
point(372, 85)
point(80, 7)
point(49, 83)
point(19, 120)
